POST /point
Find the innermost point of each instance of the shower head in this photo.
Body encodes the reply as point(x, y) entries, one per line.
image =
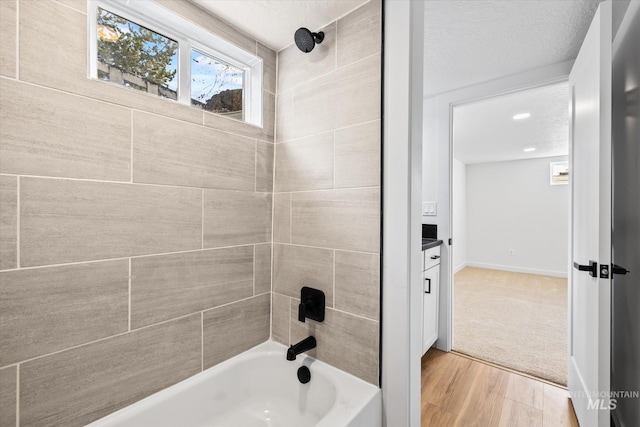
point(306, 40)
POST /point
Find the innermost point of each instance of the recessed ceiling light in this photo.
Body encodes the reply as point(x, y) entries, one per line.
point(521, 116)
point(529, 150)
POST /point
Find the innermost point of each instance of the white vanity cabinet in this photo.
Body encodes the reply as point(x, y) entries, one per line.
point(430, 295)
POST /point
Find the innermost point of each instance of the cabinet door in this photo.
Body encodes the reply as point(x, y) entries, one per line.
point(430, 307)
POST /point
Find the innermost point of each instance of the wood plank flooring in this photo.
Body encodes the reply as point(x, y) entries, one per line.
point(458, 391)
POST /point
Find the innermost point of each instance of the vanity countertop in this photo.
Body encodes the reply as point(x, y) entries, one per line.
point(430, 243)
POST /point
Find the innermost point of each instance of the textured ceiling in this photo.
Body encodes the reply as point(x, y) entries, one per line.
point(472, 41)
point(273, 22)
point(485, 131)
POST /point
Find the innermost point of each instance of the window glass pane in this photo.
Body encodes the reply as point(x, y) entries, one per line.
point(136, 57)
point(216, 86)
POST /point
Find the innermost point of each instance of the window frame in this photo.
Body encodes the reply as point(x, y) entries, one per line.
point(189, 36)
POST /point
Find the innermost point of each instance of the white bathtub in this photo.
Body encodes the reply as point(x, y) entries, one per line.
point(258, 388)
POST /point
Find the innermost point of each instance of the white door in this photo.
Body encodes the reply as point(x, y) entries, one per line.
point(589, 296)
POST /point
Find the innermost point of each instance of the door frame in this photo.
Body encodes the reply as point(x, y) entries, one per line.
point(445, 102)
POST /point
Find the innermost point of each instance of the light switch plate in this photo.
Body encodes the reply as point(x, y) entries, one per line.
point(429, 208)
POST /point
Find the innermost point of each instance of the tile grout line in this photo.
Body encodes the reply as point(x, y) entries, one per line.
point(18, 259)
point(254, 270)
point(131, 160)
point(297, 139)
point(126, 257)
point(147, 184)
point(17, 40)
point(335, 53)
point(176, 253)
point(334, 278)
point(202, 221)
point(290, 216)
point(120, 334)
point(129, 325)
point(370, 187)
point(201, 341)
point(255, 166)
point(69, 7)
point(18, 395)
point(289, 320)
point(327, 248)
point(334, 159)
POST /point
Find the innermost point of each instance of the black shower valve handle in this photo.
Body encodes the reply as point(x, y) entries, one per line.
point(312, 305)
point(302, 309)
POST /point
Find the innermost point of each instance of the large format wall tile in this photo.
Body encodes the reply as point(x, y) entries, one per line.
point(40, 40)
point(280, 318)
point(359, 33)
point(341, 219)
point(357, 285)
point(50, 133)
point(313, 107)
point(80, 385)
point(268, 116)
point(282, 217)
point(347, 342)
point(8, 392)
point(305, 164)
point(65, 221)
point(226, 124)
point(8, 46)
point(234, 218)
point(264, 166)
point(358, 156)
point(298, 266)
point(172, 152)
point(262, 269)
point(296, 67)
point(49, 309)
point(284, 117)
point(231, 329)
point(357, 87)
point(8, 221)
point(167, 286)
point(269, 58)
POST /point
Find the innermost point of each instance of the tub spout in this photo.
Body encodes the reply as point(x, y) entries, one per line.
point(304, 345)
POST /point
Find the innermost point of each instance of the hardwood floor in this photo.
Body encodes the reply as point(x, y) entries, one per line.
point(458, 391)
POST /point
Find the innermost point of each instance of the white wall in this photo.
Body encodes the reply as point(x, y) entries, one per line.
point(459, 212)
point(430, 155)
point(510, 205)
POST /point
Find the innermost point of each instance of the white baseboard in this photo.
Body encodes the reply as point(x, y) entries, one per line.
point(460, 267)
point(517, 269)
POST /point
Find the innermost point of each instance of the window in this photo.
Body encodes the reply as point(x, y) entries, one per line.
point(559, 173)
point(145, 47)
point(216, 86)
point(136, 57)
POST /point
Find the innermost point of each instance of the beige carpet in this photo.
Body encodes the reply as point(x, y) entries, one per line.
point(514, 320)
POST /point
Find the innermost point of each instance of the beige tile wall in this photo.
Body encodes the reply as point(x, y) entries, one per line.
point(135, 232)
point(327, 191)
